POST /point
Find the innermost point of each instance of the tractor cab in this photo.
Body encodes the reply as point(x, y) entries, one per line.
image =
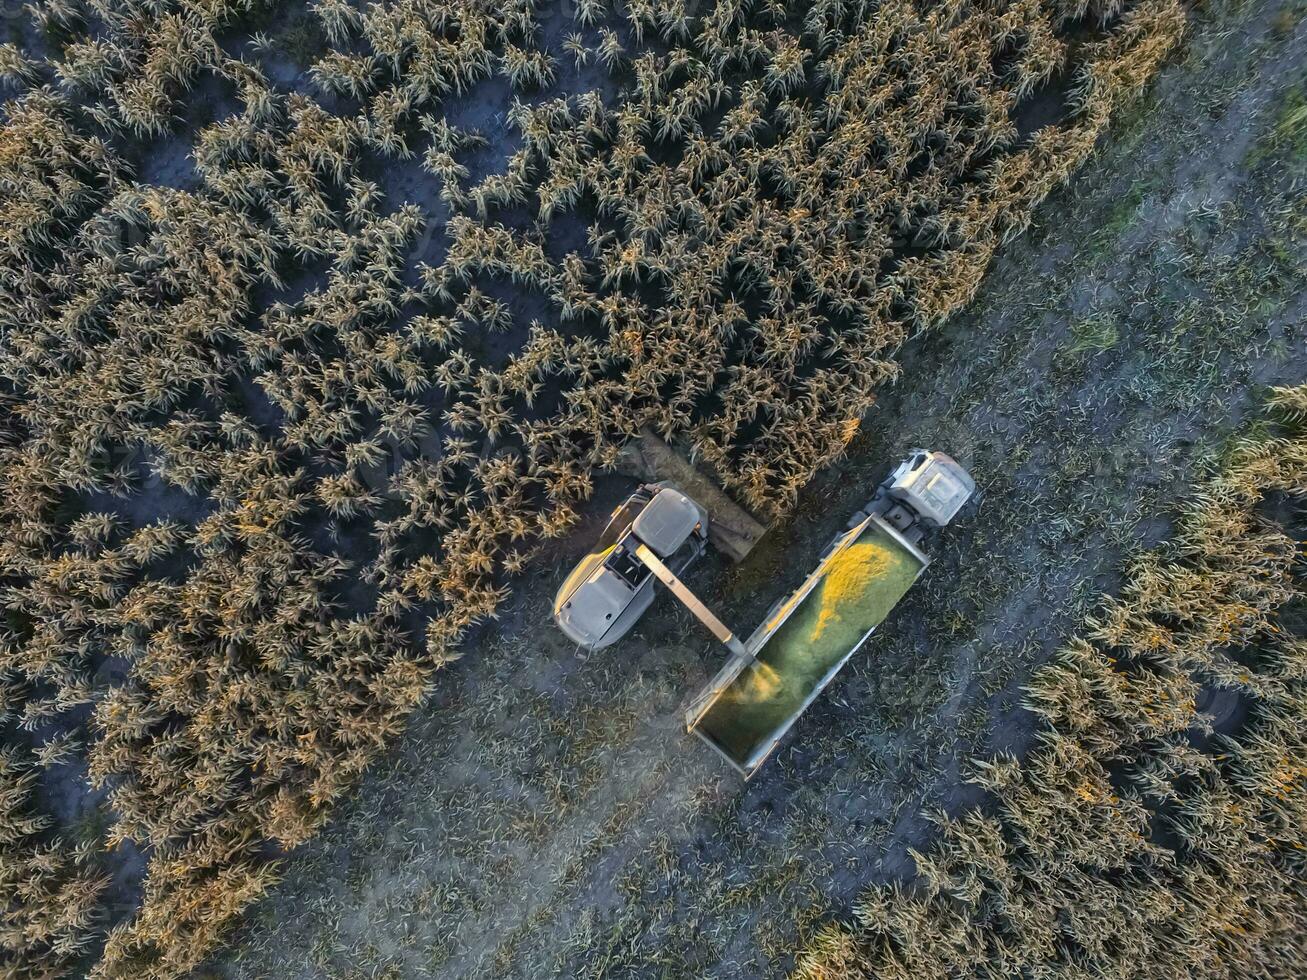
point(933, 484)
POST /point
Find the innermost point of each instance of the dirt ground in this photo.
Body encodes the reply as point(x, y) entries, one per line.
point(546, 815)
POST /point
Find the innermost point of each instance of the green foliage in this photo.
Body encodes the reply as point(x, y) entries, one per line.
point(1094, 334)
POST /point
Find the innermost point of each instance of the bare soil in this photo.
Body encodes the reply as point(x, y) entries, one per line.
point(546, 814)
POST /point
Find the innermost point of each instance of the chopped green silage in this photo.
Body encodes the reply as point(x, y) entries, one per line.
point(860, 587)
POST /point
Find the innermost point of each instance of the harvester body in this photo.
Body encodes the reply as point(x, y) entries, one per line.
point(611, 587)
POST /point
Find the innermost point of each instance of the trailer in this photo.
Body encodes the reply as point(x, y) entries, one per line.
point(806, 638)
point(771, 678)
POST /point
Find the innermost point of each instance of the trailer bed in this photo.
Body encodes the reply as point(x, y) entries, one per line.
point(801, 647)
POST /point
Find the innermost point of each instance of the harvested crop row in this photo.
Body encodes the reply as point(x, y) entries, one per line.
point(1132, 842)
point(769, 208)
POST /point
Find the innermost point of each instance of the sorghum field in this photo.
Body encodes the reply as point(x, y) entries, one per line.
point(323, 327)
